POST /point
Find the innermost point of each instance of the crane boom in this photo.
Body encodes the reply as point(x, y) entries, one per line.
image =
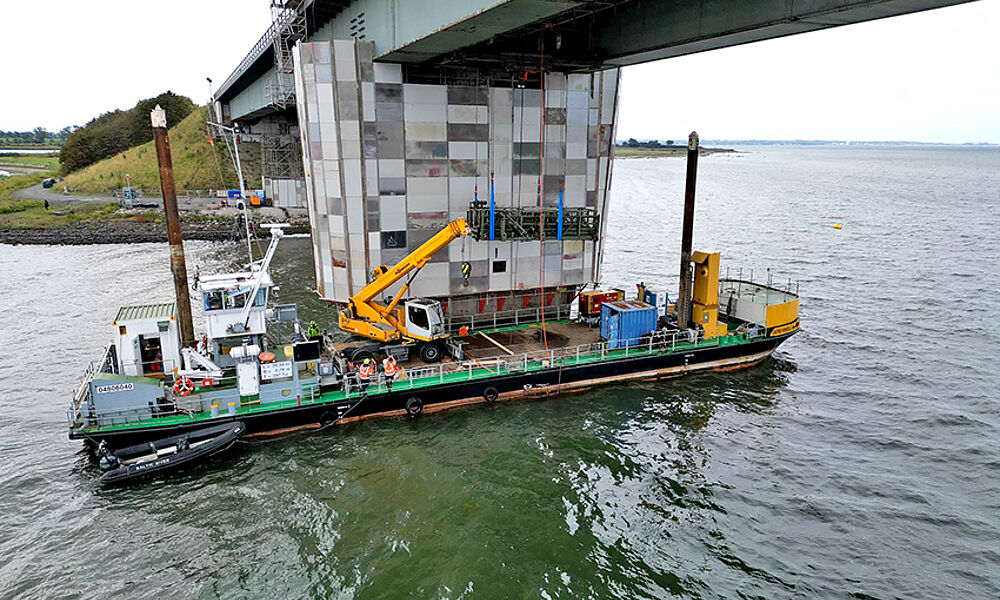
point(382, 322)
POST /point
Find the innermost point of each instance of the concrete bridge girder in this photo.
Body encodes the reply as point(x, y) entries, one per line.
point(680, 28)
point(601, 35)
point(579, 35)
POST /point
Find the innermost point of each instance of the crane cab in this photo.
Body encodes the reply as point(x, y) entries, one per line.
point(424, 320)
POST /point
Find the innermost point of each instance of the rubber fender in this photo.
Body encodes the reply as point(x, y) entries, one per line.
point(414, 406)
point(491, 394)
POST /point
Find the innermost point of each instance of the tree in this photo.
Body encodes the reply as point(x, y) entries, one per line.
point(119, 130)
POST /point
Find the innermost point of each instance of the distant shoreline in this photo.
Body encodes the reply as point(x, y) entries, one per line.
point(32, 147)
point(622, 152)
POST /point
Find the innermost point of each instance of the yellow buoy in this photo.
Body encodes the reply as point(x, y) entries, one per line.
point(288, 351)
point(838, 226)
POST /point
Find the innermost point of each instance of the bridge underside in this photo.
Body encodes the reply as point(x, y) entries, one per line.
point(600, 35)
point(505, 38)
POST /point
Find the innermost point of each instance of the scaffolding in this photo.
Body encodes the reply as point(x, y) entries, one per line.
point(526, 224)
point(281, 156)
point(289, 25)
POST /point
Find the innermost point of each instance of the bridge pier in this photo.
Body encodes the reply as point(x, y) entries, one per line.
point(392, 154)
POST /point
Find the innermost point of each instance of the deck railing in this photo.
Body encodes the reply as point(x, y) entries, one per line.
point(193, 408)
point(659, 342)
point(508, 318)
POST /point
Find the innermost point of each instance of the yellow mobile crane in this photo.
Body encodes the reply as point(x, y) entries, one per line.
point(419, 320)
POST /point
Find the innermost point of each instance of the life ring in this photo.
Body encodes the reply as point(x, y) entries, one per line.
point(414, 406)
point(184, 386)
point(491, 394)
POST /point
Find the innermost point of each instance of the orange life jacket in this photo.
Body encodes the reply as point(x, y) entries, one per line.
point(389, 366)
point(366, 371)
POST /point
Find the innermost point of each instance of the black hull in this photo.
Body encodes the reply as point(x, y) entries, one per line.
point(547, 382)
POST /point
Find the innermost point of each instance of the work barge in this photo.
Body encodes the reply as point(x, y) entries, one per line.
point(258, 367)
point(575, 360)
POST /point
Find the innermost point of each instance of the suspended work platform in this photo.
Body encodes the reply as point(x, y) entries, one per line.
point(526, 224)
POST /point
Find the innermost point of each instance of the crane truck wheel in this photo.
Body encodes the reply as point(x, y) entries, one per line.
point(414, 406)
point(360, 356)
point(430, 352)
point(357, 354)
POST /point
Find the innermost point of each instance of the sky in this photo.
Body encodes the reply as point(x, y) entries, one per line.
point(927, 77)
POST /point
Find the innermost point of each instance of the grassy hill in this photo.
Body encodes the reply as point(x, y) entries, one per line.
point(197, 163)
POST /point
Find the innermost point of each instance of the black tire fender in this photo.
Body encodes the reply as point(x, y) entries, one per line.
point(490, 394)
point(414, 406)
point(327, 418)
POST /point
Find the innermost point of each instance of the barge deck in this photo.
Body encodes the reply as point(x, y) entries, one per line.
point(575, 358)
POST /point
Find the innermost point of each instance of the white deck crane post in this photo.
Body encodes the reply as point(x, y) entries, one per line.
point(277, 233)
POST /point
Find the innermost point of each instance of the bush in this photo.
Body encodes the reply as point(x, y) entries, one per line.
point(14, 205)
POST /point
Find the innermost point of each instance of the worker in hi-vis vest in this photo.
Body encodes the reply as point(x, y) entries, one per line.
point(365, 373)
point(389, 369)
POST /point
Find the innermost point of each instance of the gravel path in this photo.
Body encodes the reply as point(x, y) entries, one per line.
point(56, 198)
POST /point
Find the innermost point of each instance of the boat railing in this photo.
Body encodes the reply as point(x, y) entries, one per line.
point(659, 342)
point(507, 318)
point(195, 407)
point(739, 285)
point(106, 364)
point(192, 407)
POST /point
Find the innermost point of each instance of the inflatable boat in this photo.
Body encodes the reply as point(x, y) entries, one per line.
point(159, 456)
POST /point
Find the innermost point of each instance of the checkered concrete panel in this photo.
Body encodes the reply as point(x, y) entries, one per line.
point(389, 163)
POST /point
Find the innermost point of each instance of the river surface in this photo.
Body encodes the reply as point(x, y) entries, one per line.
point(861, 461)
point(27, 151)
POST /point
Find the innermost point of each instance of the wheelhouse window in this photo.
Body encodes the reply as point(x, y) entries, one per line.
point(236, 299)
point(213, 300)
point(233, 299)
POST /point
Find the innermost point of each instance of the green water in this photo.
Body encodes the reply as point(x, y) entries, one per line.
point(861, 462)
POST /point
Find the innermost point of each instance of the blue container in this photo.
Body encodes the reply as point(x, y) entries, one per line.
point(623, 323)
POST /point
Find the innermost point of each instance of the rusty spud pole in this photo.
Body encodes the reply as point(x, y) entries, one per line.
point(177, 263)
point(684, 291)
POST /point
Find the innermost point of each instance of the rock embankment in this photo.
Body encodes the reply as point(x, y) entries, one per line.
point(130, 232)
